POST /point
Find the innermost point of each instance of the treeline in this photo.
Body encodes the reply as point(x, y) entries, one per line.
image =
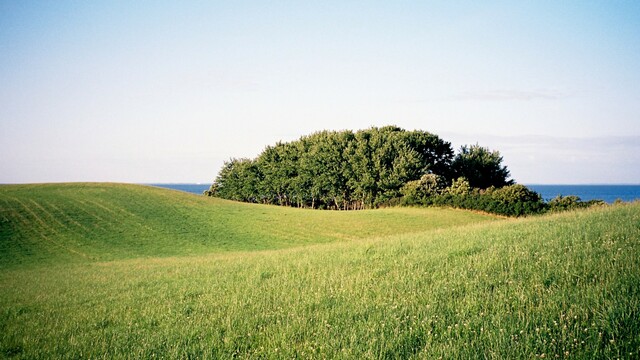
point(509, 200)
point(355, 170)
point(386, 166)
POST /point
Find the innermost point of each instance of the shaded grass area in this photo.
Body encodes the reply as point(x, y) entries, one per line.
point(558, 286)
point(46, 224)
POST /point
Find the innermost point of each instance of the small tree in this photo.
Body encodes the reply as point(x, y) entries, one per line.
point(482, 168)
point(561, 203)
point(423, 190)
point(571, 202)
point(459, 187)
point(516, 200)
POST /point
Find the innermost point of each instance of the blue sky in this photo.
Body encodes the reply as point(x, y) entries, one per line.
point(167, 91)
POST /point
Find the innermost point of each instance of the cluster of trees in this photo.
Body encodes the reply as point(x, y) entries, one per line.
point(356, 170)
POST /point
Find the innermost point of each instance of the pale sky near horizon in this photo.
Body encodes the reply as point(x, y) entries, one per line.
point(153, 92)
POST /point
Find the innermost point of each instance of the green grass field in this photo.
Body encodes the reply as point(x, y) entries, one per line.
point(124, 271)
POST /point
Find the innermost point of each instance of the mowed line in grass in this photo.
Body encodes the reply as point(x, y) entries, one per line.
point(556, 286)
point(49, 223)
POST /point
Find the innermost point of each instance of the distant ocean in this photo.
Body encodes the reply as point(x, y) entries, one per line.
point(608, 193)
point(190, 188)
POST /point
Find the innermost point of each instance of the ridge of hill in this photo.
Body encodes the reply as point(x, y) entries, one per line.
point(76, 222)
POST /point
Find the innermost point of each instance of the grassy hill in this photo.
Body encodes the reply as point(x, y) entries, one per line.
point(54, 223)
point(121, 271)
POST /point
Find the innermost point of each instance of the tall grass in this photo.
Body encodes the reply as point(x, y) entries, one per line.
point(558, 286)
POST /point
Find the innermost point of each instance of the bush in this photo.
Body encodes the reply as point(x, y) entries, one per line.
point(517, 200)
point(422, 191)
point(571, 202)
point(459, 187)
point(512, 200)
point(562, 203)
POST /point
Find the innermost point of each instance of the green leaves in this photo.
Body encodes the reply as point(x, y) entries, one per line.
point(481, 167)
point(335, 169)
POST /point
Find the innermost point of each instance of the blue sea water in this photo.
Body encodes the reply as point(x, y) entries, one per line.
point(190, 188)
point(608, 193)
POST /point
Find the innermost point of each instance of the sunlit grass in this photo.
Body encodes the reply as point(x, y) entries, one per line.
point(558, 286)
point(54, 223)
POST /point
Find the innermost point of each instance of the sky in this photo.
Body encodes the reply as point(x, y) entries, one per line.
point(165, 92)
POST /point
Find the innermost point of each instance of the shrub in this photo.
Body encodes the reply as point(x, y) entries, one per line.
point(517, 200)
point(460, 186)
point(422, 191)
point(562, 203)
point(512, 200)
point(571, 202)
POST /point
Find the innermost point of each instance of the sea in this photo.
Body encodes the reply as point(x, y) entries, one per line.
point(190, 188)
point(608, 193)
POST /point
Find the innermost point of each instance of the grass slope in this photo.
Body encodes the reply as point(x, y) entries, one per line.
point(558, 286)
point(55, 223)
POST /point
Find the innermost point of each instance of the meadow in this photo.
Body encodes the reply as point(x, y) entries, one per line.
point(124, 271)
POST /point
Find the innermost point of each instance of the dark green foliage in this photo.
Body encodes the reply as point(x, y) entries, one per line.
point(336, 169)
point(511, 200)
point(560, 202)
point(515, 200)
point(481, 166)
point(238, 180)
point(571, 202)
point(376, 167)
point(424, 190)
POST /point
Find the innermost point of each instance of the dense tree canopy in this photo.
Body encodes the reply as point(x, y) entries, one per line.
point(336, 169)
point(481, 167)
point(380, 166)
point(356, 170)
